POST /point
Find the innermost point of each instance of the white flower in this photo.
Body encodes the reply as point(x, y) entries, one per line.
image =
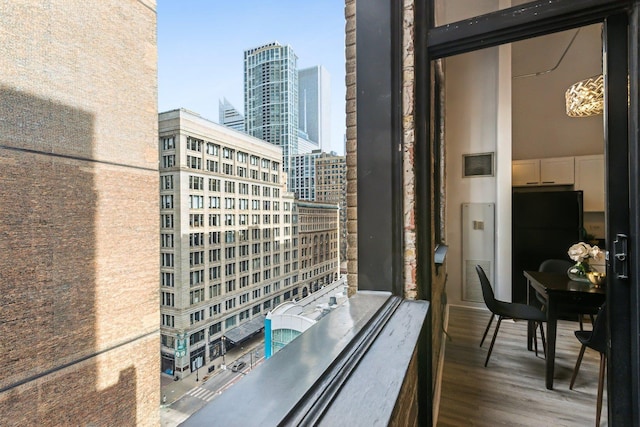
point(580, 252)
point(596, 253)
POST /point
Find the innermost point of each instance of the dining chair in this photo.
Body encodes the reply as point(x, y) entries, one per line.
point(507, 310)
point(595, 339)
point(558, 266)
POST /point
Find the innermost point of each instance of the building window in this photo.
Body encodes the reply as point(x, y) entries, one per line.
point(227, 169)
point(244, 298)
point(214, 220)
point(229, 203)
point(196, 317)
point(196, 277)
point(167, 320)
point(214, 202)
point(256, 309)
point(196, 220)
point(230, 322)
point(229, 187)
point(244, 281)
point(212, 149)
point(229, 236)
point(230, 285)
point(214, 290)
point(196, 239)
point(166, 240)
point(196, 337)
point(166, 201)
point(227, 153)
point(167, 279)
point(167, 340)
point(214, 255)
point(167, 299)
point(214, 272)
point(166, 220)
point(166, 259)
point(169, 143)
point(215, 310)
point(196, 202)
point(196, 296)
point(215, 328)
point(196, 258)
point(169, 161)
point(214, 184)
point(213, 166)
point(229, 304)
point(194, 162)
point(214, 237)
point(166, 182)
point(194, 144)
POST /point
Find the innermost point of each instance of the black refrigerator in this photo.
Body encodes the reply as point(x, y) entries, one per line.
point(545, 224)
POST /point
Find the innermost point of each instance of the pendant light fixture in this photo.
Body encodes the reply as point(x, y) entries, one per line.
point(586, 97)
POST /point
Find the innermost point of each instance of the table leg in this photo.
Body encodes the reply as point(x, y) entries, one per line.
point(552, 326)
point(530, 325)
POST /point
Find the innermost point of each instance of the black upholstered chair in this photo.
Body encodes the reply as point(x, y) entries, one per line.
point(596, 340)
point(507, 310)
point(558, 266)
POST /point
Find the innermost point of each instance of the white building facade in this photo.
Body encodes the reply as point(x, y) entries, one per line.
point(228, 238)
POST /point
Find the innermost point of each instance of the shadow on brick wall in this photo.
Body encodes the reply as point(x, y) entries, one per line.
point(47, 276)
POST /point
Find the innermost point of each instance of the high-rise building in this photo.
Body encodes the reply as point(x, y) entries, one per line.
point(229, 238)
point(302, 178)
point(331, 187)
point(229, 116)
point(271, 97)
point(314, 105)
point(79, 206)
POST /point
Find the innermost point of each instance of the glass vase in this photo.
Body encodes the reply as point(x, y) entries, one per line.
point(578, 272)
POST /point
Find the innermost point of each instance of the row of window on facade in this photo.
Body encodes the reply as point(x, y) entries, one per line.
point(211, 149)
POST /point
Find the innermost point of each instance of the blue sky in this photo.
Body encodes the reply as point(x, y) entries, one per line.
point(201, 45)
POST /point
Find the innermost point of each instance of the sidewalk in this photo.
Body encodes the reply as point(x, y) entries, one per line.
point(174, 390)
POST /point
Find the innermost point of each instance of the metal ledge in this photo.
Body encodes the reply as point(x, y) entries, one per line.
point(314, 379)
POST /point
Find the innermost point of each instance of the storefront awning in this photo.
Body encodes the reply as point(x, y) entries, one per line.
point(245, 331)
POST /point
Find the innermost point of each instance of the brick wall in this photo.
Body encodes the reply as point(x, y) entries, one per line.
point(78, 201)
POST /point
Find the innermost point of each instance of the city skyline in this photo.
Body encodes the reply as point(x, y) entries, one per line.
point(212, 37)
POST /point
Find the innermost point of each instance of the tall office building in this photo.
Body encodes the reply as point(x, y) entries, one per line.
point(314, 105)
point(229, 116)
point(79, 200)
point(331, 187)
point(302, 179)
point(229, 238)
point(271, 97)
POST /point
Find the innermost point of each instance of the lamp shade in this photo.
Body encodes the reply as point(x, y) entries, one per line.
point(586, 97)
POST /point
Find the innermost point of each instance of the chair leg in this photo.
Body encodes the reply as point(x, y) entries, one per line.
point(544, 342)
point(603, 364)
point(580, 321)
point(487, 329)
point(577, 368)
point(535, 338)
point(493, 340)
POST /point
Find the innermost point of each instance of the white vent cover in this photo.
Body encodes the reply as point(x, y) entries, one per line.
point(472, 290)
point(478, 247)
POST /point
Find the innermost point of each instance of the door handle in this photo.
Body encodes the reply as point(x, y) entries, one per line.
point(620, 257)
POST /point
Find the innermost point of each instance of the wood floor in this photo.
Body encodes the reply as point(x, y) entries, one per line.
point(511, 391)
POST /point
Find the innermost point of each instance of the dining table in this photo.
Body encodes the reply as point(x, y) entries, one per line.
point(563, 297)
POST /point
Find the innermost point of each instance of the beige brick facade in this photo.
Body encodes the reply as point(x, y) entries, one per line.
point(79, 207)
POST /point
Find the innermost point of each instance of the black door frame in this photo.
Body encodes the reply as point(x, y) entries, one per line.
point(621, 42)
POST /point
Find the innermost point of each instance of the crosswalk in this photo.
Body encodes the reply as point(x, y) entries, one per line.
point(202, 393)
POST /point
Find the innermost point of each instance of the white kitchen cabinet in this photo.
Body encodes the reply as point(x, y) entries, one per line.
point(536, 172)
point(525, 172)
point(589, 178)
point(557, 171)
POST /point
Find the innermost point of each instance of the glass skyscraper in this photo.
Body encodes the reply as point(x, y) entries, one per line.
point(271, 97)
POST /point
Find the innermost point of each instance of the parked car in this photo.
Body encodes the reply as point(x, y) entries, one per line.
point(238, 366)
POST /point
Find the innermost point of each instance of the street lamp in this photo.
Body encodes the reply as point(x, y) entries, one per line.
point(224, 349)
